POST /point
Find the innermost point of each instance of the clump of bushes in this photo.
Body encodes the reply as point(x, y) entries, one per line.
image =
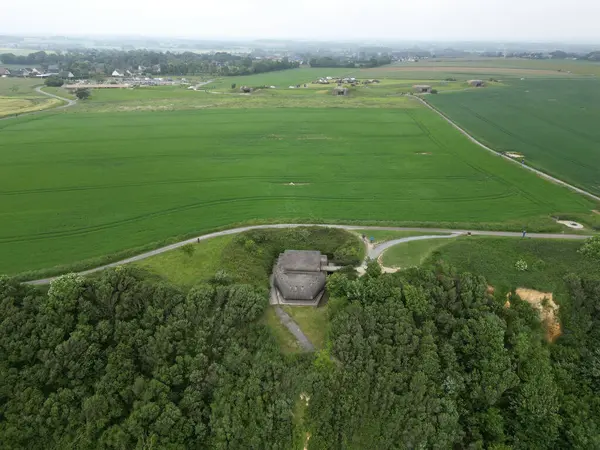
point(521, 265)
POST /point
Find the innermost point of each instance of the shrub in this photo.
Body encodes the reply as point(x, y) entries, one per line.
point(54, 81)
point(221, 277)
point(188, 249)
point(434, 91)
point(521, 265)
point(591, 248)
point(82, 93)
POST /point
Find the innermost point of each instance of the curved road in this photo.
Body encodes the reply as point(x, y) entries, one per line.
point(39, 90)
point(68, 101)
point(453, 233)
point(514, 161)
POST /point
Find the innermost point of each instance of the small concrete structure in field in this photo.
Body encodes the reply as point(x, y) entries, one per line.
point(421, 88)
point(476, 83)
point(339, 90)
point(246, 89)
point(299, 278)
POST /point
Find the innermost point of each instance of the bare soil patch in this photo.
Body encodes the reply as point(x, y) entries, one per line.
point(424, 153)
point(515, 155)
point(596, 212)
point(544, 303)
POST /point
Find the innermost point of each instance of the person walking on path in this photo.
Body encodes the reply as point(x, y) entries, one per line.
point(524, 232)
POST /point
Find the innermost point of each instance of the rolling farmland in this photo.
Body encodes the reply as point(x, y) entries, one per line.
point(553, 123)
point(75, 187)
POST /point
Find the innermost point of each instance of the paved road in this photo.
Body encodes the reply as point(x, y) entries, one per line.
point(295, 225)
point(294, 329)
point(514, 161)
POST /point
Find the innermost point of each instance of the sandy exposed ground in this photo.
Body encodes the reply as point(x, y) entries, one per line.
point(544, 303)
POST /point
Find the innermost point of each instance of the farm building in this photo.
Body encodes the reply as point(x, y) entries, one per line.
point(299, 277)
point(4, 72)
point(475, 83)
point(339, 90)
point(117, 74)
point(422, 88)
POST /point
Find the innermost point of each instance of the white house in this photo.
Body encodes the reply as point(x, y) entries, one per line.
point(116, 73)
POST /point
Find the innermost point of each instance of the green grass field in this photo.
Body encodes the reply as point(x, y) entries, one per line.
point(87, 185)
point(412, 253)
point(18, 96)
point(548, 261)
point(552, 122)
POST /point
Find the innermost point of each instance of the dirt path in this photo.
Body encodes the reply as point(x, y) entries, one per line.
point(525, 166)
point(68, 101)
point(289, 323)
point(39, 90)
point(295, 225)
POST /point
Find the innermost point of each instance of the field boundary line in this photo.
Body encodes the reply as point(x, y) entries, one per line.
point(204, 237)
point(482, 145)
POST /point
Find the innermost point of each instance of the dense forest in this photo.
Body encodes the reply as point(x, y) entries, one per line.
point(88, 63)
point(425, 358)
point(122, 363)
point(429, 359)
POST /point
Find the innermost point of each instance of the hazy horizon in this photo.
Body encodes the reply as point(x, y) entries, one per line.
point(379, 20)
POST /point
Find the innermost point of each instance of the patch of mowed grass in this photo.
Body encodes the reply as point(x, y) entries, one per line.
point(248, 257)
point(548, 261)
point(190, 266)
point(94, 186)
point(412, 253)
point(313, 322)
point(552, 122)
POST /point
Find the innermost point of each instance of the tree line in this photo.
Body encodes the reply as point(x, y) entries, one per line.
point(330, 61)
point(88, 63)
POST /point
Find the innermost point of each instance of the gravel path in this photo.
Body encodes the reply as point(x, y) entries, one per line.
point(514, 161)
point(289, 323)
point(290, 225)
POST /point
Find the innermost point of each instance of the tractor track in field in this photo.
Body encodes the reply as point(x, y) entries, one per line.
point(374, 253)
point(525, 166)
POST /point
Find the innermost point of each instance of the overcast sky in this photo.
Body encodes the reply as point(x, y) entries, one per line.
point(531, 20)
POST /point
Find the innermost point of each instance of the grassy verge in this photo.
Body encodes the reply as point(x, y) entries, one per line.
point(548, 261)
point(411, 254)
point(312, 321)
point(187, 268)
point(287, 342)
point(540, 225)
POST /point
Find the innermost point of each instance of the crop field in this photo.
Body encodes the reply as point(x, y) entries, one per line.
point(83, 186)
point(553, 123)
